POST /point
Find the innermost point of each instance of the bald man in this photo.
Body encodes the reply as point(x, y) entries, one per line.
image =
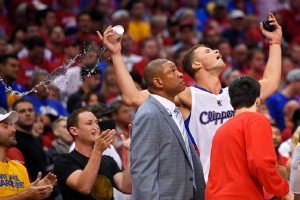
point(164, 164)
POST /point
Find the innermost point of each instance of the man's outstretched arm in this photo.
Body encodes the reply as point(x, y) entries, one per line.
point(272, 73)
point(130, 94)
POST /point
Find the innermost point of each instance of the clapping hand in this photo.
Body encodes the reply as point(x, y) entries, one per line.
point(126, 141)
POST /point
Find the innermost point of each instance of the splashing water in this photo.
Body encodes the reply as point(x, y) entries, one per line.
point(60, 71)
point(57, 72)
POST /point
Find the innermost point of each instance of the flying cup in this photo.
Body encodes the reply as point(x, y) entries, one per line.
point(118, 31)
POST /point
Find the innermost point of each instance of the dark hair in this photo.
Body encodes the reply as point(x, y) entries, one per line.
point(89, 69)
point(116, 105)
point(34, 41)
point(42, 14)
point(252, 53)
point(243, 92)
point(16, 103)
point(73, 117)
point(188, 59)
point(4, 58)
point(82, 13)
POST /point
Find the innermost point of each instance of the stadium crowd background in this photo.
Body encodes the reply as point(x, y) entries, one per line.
point(38, 36)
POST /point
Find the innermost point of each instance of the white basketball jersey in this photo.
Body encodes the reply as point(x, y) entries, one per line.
point(208, 113)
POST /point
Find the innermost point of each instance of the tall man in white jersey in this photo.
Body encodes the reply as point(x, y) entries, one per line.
point(205, 106)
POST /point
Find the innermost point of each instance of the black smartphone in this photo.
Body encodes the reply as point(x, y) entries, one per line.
point(267, 26)
point(107, 124)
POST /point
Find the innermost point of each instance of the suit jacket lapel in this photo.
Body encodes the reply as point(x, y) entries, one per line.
point(171, 122)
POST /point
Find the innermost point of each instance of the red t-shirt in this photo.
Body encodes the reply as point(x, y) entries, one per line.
point(27, 68)
point(243, 160)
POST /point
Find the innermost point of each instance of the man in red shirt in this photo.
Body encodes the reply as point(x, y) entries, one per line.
point(243, 159)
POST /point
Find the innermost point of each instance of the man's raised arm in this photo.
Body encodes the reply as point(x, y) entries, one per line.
point(272, 73)
point(130, 94)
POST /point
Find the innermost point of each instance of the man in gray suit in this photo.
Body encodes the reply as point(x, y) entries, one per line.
point(164, 164)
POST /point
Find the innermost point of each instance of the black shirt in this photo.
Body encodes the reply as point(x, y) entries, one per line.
point(33, 152)
point(66, 164)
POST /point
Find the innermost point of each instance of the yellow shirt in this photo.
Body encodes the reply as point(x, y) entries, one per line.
point(139, 30)
point(13, 178)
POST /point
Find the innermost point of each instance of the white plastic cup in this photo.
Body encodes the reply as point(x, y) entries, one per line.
point(118, 31)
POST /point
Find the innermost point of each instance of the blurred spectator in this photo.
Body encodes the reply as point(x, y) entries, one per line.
point(187, 35)
point(219, 17)
point(90, 75)
point(229, 75)
point(226, 51)
point(150, 51)
point(240, 56)
point(33, 30)
point(122, 115)
point(235, 33)
point(287, 65)
point(277, 101)
point(5, 24)
point(42, 103)
point(110, 88)
point(288, 111)
point(253, 33)
point(290, 18)
point(247, 7)
point(3, 45)
point(121, 17)
point(92, 98)
point(83, 33)
point(211, 38)
point(97, 22)
point(47, 21)
point(16, 40)
point(56, 43)
point(104, 8)
point(256, 64)
point(295, 53)
point(34, 60)
point(61, 144)
point(66, 14)
point(128, 56)
point(138, 28)
point(30, 146)
point(9, 71)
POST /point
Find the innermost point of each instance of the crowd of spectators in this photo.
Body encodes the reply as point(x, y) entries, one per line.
point(39, 36)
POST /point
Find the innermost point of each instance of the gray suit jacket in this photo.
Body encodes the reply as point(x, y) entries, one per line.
point(160, 167)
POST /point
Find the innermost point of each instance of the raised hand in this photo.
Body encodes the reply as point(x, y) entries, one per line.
point(114, 48)
point(275, 35)
point(104, 139)
point(126, 141)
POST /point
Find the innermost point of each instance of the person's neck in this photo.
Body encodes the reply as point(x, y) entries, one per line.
point(85, 88)
point(6, 80)
point(123, 128)
point(209, 82)
point(24, 129)
point(3, 151)
point(288, 91)
point(244, 109)
point(170, 97)
point(84, 149)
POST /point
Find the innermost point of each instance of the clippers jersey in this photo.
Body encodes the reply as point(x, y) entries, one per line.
point(208, 113)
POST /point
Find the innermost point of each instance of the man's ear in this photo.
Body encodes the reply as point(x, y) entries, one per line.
point(73, 130)
point(157, 82)
point(196, 65)
point(258, 101)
